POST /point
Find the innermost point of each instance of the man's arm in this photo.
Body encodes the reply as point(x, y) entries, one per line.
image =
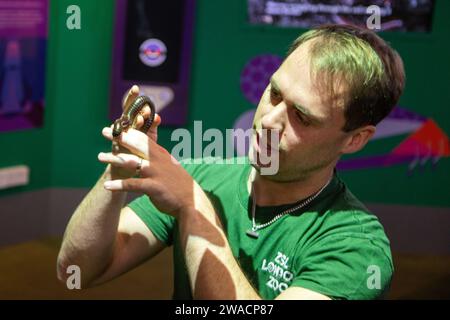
point(103, 239)
point(135, 243)
point(213, 270)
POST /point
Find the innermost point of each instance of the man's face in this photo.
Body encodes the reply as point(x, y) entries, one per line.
point(308, 125)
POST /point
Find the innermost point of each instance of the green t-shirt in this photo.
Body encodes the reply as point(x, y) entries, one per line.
point(333, 245)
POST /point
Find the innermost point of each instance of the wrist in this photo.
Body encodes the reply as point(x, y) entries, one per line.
point(187, 213)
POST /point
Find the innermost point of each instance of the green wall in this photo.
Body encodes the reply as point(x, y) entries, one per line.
point(63, 153)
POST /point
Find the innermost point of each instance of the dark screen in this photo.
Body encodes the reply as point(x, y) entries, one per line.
point(153, 19)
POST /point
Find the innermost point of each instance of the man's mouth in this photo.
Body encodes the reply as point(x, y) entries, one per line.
point(266, 137)
point(264, 142)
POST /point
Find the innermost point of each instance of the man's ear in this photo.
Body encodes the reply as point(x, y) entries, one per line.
point(358, 138)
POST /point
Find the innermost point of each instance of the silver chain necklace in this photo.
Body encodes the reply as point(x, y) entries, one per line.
point(253, 232)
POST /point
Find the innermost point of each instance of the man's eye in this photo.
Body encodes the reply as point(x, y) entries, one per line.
point(274, 94)
point(302, 119)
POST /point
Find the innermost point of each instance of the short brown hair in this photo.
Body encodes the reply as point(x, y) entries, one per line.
point(372, 71)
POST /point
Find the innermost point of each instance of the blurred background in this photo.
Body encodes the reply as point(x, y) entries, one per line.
point(65, 66)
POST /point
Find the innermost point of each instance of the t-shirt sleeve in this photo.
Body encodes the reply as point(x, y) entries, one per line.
point(159, 223)
point(345, 267)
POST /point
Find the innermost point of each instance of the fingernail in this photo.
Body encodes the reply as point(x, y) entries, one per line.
point(113, 185)
point(106, 131)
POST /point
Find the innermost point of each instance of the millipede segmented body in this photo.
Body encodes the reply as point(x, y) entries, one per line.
point(129, 118)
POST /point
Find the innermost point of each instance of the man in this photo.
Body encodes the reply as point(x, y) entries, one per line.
point(239, 234)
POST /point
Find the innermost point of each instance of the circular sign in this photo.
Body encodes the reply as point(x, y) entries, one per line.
point(153, 52)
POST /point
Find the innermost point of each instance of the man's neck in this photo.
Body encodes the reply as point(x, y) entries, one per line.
point(272, 193)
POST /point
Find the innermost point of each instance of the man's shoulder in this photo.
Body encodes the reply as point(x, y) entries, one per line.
point(348, 229)
point(349, 216)
point(346, 200)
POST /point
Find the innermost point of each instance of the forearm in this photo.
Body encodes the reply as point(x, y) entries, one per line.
point(90, 236)
point(213, 270)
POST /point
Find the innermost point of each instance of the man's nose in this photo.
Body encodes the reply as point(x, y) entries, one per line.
point(275, 117)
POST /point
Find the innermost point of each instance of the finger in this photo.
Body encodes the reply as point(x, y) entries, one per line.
point(143, 114)
point(123, 160)
point(132, 184)
point(134, 140)
point(156, 122)
point(153, 131)
point(132, 94)
point(145, 111)
point(139, 122)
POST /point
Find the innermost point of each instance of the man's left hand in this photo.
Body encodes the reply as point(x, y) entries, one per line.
point(161, 176)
